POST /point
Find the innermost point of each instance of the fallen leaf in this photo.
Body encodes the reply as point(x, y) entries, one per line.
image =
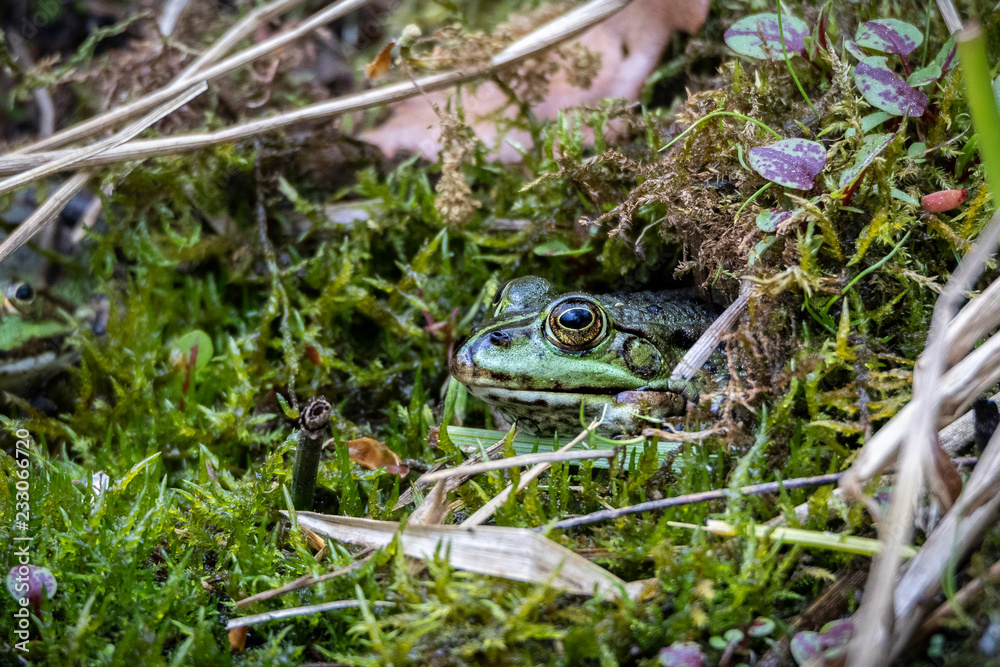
point(373, 454)
point(630, 43)
point(510, 553)
point(238, 639)
point(382, 62)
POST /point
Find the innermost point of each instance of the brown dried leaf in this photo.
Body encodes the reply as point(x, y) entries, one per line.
point(238, 639)
point(373, 454)
point(382, 62)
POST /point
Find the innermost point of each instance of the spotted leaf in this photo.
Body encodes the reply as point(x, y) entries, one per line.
point(886, 90)
point(873, 146)
point(792, 163)
point(924, 75)
point(758, 36)
point(854, 49)
point(945, 58)
point(769, 219)
point(889, 36)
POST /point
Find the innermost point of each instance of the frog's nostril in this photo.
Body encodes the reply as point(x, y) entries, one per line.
point(500, 338)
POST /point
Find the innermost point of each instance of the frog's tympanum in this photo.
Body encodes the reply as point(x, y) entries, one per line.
point(541, 355)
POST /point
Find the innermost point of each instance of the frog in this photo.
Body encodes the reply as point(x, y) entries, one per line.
point(540, 355)
point(37, 335)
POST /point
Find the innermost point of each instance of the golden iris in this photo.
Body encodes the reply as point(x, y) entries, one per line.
point(576, 324)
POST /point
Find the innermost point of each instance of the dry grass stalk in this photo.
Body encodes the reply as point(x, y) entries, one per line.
point(960, 531)
point(494, 452)
point(520, 461)
point(239, 30)
point(45, 213)
point(957, 388)
point(487, 510)
point(293, 612)
point(921, 454)
point(703, 348)
point(48, 211)
point(190, 76)
point(509, 553)
point(946, 610)
point(70, 158)
point(564, 28)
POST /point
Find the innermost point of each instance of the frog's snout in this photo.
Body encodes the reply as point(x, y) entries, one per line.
point(460, 365)
point(463, 365)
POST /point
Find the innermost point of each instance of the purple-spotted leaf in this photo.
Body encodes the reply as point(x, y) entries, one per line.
point(792, 163)
point(806, 646)
point(889, 36)
point(874, 144)
point(924, 75)
point(854, 49)
point(835, 636)
point(682, 654)
point(757, 36)
point(945, 58)
point(886, 90)
point(769, 219)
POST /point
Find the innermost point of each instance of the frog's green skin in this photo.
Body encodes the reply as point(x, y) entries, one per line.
point(618, 364)
point(33, 347)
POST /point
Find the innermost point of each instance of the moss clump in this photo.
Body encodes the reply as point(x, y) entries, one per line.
point(236, 243)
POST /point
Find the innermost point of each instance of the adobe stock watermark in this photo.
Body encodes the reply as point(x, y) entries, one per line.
point(47, 11)
point(27, 583)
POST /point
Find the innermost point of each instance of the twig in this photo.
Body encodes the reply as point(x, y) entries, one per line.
point(292, 612)
point(549, 35)
point(519, 461)
point(487, 510)
point(694, 498)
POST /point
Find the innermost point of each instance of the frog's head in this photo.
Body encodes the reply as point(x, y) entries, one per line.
point(555, 350)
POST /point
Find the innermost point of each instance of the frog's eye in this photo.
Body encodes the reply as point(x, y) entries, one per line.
point(498, 298)
point(20, 294)
point(576, 324)
point(499, 295)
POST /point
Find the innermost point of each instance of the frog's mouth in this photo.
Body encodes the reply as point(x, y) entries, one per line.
point(667, 402)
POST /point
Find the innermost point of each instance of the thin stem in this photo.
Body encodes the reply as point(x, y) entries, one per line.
point(976, 72)
point(713, 115)
point(864, 273)
point(751, 198)
point(788, 64)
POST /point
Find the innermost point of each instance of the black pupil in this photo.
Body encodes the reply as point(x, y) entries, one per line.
point(498, 295)
point(576, 318)
point(24, 292)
